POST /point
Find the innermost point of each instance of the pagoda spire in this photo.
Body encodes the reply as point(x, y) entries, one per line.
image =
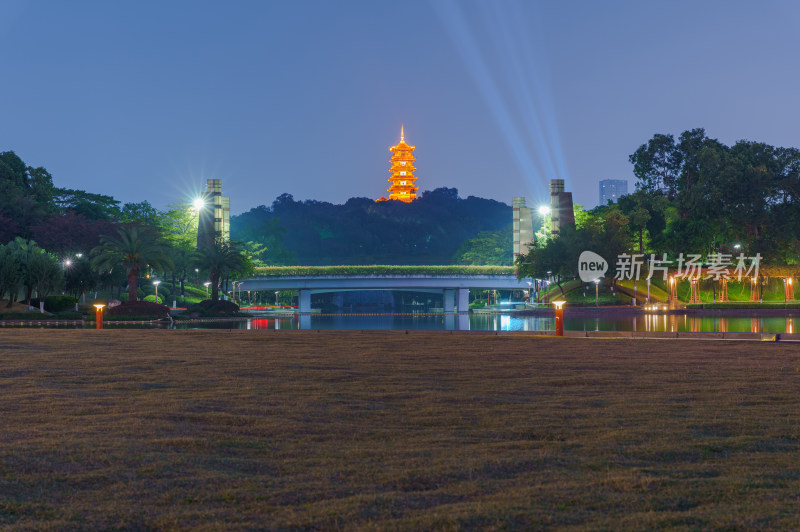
point(402, 172)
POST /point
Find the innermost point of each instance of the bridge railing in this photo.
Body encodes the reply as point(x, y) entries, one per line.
point(286, 271)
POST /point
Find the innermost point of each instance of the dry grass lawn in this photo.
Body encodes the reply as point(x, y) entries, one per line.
point(141, 429)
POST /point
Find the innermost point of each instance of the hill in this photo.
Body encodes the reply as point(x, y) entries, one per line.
point(439, 227)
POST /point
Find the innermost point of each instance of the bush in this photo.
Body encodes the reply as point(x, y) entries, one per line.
point(215, 308)
point(124, 295)
point(152, 299)
point(139, 308)
point(56, 303)
point(69, 315)
point(22, 316)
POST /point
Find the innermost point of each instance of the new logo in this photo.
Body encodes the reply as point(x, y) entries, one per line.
point(591, 266)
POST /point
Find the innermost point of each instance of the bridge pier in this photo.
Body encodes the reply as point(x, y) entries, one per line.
point(449, 297)
point(304, 302)
point(463, 300)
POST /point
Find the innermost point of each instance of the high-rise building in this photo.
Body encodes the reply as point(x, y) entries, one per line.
point(523, 226)
point(214, 221)
point(402, 170)
point(612, 190)
point(562, 212)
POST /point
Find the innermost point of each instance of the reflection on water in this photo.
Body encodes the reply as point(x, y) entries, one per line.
point(498, 322)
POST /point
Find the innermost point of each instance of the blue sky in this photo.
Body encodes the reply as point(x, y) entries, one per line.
point(145, 100)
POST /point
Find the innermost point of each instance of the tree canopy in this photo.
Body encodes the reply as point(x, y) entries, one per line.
point(430, 230)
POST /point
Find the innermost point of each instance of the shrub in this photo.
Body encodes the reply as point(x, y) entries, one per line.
point(152, 299)
point(139, 308)
point(69, 315)
point(56, 303)
point(124, 295)
point(215, 308)
point(23, 316)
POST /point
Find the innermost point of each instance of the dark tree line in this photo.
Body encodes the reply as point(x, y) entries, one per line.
point(430, 230)
point(696, 195)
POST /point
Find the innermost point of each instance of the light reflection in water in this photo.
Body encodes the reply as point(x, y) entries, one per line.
point(505, 322)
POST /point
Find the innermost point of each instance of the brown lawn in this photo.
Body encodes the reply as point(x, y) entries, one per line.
point(325, 430)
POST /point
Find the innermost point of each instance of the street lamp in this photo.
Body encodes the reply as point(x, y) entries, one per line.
point(197, 274)
point(155, 283)
point(276, 297)
point(597, 292)
point(559, 317)
point(198, 203)
point(207, 284)
point(99, 315)
point(544, 210)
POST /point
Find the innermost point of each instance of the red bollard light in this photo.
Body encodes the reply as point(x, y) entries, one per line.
point(99, 315)
point(559, 317)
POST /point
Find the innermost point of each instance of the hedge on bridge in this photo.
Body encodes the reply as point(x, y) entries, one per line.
point(285, 271)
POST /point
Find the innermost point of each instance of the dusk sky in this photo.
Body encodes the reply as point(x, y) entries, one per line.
point(146, 100)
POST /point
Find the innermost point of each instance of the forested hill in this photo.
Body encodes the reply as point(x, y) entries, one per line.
point(437, 228)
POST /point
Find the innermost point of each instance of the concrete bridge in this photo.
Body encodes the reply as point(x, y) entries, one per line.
point(454, 288)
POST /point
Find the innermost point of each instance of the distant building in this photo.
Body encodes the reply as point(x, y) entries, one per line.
point(402, 169)
point(612, 190)
point(562, 212)
point(523, 226)
point(215, 216)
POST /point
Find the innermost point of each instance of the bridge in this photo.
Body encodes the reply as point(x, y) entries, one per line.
point(454, 287)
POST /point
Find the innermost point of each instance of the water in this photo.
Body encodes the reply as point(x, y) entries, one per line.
point(484, 322)
point(500, 322)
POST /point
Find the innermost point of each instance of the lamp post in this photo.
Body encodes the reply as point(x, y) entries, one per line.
point(99, 315)
point(197, 274)
point(156, 283)
point(559, 317)
point(597, 292)
point(207, 284)
point(276, 297)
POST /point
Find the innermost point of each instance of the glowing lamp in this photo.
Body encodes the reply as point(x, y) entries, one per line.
point(99, 315)
point(198, 203)
point(544, 210)
point(559, 317)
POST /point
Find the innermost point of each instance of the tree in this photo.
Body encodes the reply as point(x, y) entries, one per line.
point(92, 206)
point(134, 248)
point(79, 277)
point(220, 259)
point(657, 165)
point(10, 274)
point(45, 273)
point(25, 253)
point(489, 247)
point(141, 213)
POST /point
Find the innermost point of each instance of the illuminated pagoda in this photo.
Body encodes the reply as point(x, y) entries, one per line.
point(402, 170)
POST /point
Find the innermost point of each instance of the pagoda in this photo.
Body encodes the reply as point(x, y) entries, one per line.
point(402, 170)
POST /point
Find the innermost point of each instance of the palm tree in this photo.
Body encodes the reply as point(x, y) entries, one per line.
point(134, 248)
point(221, 258)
